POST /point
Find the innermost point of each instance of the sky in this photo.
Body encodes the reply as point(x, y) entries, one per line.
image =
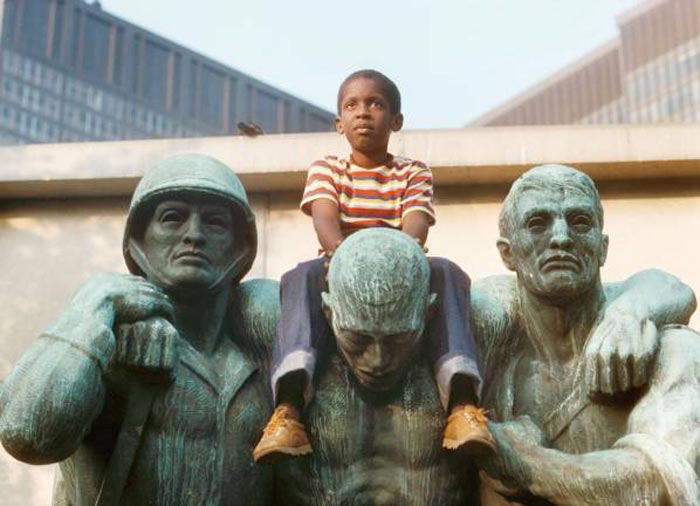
point(453, 60)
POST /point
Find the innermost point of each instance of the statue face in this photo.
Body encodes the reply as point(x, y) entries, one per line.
point(557, 245)
point(189, 241)
point(379, 357)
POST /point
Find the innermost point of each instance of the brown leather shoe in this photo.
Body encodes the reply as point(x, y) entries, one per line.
point(467, 427)
point(284, 436)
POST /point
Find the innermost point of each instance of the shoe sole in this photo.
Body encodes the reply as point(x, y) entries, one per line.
point(475, 446)
point(280, 454)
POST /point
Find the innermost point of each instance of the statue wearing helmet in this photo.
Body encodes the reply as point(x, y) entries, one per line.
point(152, 386)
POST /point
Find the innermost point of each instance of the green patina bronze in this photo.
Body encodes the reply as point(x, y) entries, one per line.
point(154, 390)
point(376, 420)
point(594, 406)
point(155, 386)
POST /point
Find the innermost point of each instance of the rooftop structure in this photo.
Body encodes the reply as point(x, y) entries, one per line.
point(649, 74)
point(70, 71)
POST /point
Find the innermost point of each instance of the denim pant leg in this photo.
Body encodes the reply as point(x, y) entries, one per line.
point(450, 338)
point(302, 323)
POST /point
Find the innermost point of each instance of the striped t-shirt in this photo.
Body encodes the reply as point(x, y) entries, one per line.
point(378, 197)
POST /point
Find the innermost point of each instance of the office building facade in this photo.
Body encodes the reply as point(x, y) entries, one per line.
point(70, 71)
point(649, 74)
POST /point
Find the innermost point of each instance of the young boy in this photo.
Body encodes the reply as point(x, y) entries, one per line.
point(371, 188)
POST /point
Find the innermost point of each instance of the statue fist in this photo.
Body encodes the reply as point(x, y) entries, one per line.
point(620, 353)
point(121, 298)
point(148, 347)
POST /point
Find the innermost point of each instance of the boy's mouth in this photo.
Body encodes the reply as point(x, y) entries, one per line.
point(363, 129)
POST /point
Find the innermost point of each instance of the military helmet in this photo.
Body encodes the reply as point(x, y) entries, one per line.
point(184, 175)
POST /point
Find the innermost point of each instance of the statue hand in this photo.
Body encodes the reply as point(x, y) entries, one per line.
point(620, 353)
point(148, 347)
point(509, 465)
point(121, 298)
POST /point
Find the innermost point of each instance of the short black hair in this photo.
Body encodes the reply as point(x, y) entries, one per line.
point(391, 91)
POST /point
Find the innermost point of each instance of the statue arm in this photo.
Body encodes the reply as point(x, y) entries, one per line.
point(57, 389)
point(621, 351)
point(656, 462)
point(652, 294)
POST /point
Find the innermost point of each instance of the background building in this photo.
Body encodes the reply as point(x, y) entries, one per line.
point(70, 71)
point(649, 74)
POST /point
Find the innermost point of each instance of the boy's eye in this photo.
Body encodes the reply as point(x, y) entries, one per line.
point(377, 105)
point(350, 106)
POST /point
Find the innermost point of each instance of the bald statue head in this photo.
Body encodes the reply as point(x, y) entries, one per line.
point(377, 304)
point(551, 227)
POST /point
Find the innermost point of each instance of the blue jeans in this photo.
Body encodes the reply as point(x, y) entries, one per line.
point(303, 325)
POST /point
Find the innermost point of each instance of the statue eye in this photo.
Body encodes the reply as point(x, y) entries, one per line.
point(582, 222)
point(536, 223)
point(218, 220)
point(172, 216)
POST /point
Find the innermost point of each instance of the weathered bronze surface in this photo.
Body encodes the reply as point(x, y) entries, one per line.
point(376, 421)
point(152, 391)
point(152, 388)
point(595, 406)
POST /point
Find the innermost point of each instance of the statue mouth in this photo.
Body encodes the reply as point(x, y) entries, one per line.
point(192, 255)
point(560, 262)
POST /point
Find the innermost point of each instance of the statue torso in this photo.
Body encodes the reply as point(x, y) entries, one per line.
point(376, 449)
point(200, 432)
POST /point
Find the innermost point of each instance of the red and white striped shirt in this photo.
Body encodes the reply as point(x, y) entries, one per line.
point(378, 197)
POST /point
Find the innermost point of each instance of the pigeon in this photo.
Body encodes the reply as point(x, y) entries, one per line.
point(249, 129)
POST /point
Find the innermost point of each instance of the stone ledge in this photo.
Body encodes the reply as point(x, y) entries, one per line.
point(459, 157)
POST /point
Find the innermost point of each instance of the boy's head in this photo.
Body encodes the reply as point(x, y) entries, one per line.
point(391, 91)
point(369, 109)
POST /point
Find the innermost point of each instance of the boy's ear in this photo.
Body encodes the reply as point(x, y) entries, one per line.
point(397, 122)
point(506, 252)
point(339, 126)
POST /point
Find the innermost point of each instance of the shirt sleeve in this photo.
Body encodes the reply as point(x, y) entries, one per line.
point(320, 184)
point(419, 193)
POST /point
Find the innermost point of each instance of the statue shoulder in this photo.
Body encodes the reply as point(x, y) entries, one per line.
point(255, 311)
point(494, 314)
point(493, 300)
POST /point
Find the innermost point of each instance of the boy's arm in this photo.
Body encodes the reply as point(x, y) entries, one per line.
point(324, 213)
point(416, 225)
point(622, 349)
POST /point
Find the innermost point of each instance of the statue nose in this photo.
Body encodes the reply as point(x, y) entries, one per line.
point(378, 356)
point(561, 237)
point(193, 232)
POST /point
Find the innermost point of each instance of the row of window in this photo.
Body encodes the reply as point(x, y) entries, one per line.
point(663, 72)
point(679, 104)
point(30, 97)
point(27, 124)
point(32, 71)
point(610, 114)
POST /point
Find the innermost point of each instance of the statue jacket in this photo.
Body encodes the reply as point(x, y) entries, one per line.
point(196, 445)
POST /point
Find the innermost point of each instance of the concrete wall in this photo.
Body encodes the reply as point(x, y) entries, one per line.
point(62, 210)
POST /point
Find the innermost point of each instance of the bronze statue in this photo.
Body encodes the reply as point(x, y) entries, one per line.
point(154, 386)
point(376, 420)
point(634, 440)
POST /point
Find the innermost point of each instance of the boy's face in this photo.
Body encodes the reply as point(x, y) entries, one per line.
point(365, 117)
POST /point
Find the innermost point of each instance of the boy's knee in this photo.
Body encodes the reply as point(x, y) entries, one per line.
point(304, 270)
point(442, 266)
